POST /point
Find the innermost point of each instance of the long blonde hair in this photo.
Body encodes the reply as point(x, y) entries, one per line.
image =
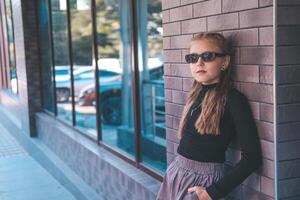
point(214, 100)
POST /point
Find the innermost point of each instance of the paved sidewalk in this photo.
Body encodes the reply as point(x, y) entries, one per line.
point(22, 178)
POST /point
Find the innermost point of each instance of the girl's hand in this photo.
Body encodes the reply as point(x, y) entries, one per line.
point(201, 192)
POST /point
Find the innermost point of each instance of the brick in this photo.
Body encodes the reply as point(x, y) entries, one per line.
point(182, 41)
point(207, 8)
point(193, 26)
point(263, 3)
point(266, 74)
point(267, 169)
point(170, 147)
point(181, 70)
point(183, 53)
point(238, 5)
point(167, 69)
point(256, 55)
point(184, 2)
point(289, 188)
point(288, 94)
point(258, 92)
point(288, 74)
point(250, 194)
point(288, 15)
point(265, 130)
point(247, 37)
point(176, 122)
point(235, 58)
point(168, 95)
point(288, 35)
point(288, 169)
point(267, 186)
point(266, 36)
point(166, 4)
point(288, 132)
point(255, 109)
point(288, 150)
point(181, 13)
point(169, 121)
point(166, 16)
point(288, 113)
point(166, 43)
point(173, 83)
point(246, 73)
point(288, 55)
point(172, 29)
point(267, 149)
point(172, 56)
point(171, 135)
point(256, 18)
point(179, 97)
point(174, 109)
point(222, 22)
point(170, 158)
point(187, 84)
point(266, 112)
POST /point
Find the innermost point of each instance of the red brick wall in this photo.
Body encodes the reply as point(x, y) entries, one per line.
point(288, 99)
point(250, 23)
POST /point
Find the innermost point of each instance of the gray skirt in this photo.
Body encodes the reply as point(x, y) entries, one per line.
point(184, 173)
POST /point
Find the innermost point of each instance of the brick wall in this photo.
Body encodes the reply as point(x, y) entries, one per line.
point(250, 24)
point(27, 62)
point(288, 99)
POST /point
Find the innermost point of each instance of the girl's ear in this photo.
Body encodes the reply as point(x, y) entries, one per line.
point(226, 62)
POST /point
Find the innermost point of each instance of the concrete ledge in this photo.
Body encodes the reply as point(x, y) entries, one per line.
point(108, 175)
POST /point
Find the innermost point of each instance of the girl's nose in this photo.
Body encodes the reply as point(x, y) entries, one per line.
point(200, 62)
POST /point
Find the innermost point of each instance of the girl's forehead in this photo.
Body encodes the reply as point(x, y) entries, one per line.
point(204, 45)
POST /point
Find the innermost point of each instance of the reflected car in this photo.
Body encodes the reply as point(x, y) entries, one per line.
point(110, 86)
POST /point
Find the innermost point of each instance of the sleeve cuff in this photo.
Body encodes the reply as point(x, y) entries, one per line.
point(212, 192)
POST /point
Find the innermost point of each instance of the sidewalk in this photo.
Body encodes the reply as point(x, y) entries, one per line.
point(22, 178)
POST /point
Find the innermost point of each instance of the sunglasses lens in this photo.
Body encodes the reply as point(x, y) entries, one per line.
point(208, 56)
point(191, 58)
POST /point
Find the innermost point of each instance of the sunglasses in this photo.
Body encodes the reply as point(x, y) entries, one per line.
point(206, 57)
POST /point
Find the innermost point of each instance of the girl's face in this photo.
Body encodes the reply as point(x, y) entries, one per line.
point(207, 72)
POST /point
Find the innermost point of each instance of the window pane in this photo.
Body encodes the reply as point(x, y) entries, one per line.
point(113, 40)
point(61, 60)
point(83, 71)
point(46, 69)
point(11, 46)
point(153, 140)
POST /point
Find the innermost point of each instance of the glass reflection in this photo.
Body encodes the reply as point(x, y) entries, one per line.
point(61, 60)
point(113, 40)
point(153, 140)
point(83, 70)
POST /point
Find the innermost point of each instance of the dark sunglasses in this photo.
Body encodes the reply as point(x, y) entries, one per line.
point(206, 57)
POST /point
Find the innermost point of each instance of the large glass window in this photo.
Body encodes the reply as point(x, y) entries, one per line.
point(45, 54)
point(153, 141)
point(61, 60)
point(114, 63)
point(84, 72)
point(11, 47)
point(105, 44)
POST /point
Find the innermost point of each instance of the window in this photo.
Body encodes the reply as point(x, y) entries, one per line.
point(92, 51)
point(8, 60)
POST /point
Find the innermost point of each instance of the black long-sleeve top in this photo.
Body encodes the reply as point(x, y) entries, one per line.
point(236, 121)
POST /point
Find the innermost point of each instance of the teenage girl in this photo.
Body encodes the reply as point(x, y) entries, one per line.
point(215, 113)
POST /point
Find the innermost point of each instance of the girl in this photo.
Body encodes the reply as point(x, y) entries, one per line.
point(214, 114)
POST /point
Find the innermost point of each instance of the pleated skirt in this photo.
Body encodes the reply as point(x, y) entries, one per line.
point(184, 173)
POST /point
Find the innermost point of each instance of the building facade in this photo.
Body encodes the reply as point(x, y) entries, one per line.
point(94, 89)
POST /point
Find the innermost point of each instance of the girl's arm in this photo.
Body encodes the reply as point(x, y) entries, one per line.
point(247, 135)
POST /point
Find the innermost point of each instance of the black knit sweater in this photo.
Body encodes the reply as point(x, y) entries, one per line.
point(237, 121)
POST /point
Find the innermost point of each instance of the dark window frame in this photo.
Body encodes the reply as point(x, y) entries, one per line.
point(135, 90)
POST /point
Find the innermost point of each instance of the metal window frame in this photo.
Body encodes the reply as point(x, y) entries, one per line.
point(135, 83)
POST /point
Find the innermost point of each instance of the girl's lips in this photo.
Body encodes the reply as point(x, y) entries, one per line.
point(201, 71)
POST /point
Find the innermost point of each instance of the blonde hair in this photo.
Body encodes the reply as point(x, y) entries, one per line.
point(214, 100)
